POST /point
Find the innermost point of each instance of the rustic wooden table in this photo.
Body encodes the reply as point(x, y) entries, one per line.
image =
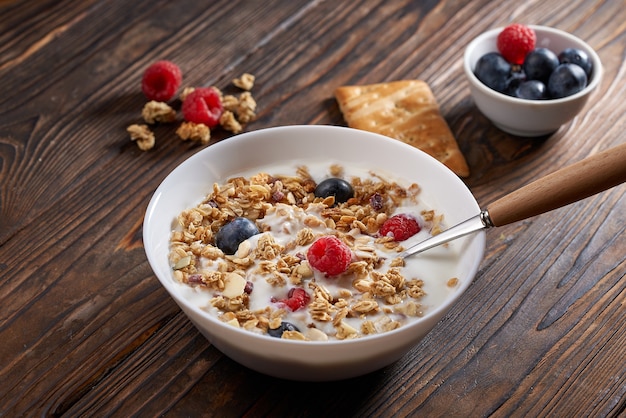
point(87, 330)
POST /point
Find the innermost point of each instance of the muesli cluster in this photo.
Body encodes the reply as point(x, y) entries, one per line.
point(203, 108)
point(262, 252)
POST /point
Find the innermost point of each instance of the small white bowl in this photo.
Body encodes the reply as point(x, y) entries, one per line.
point(523, 117)
point(310, 360)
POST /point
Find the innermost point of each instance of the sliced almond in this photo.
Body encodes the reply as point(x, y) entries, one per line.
point(182, 263)
point(234, 285)
point(315, 334)
point(233, 323)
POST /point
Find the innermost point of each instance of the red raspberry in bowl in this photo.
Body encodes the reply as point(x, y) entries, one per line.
point(161, 81)
point(296, 298)
point(515, 42)
point(203, 105)
point(400, 227)
point(329, 255)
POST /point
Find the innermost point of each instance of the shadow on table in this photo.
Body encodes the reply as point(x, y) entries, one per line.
point(228, 389)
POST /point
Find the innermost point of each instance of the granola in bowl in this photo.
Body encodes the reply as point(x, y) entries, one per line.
point(446, 272)
point(268, 284)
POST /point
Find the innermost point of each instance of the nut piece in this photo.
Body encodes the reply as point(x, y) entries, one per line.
point(246, 107)
point(234, 285)
point(230, 102)
point(143, 135)
point(245, 82)
point(228, 122)
point(182, 263)
point(345, 331)
point(186, 92)
point(304, 270)
point(154, 112)
point(315, 334)
point(194, 131)
point(293, 335)
point(231, 320)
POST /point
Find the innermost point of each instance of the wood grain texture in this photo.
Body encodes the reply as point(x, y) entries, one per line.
point(87, 330)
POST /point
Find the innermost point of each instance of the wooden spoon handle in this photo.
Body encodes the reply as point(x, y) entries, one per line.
point(567, 185)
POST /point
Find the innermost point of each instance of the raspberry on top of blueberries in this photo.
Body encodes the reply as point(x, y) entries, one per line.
point(521, 70)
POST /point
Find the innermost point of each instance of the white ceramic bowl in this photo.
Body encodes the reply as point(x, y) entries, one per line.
point(308, 360)
point(522, 117)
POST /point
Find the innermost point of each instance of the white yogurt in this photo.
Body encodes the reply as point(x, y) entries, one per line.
point(435, 271)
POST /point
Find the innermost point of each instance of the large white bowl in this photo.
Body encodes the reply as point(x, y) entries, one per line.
point(523, 117)
point(308, 360)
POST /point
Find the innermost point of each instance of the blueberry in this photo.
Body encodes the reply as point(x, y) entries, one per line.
point(493, 71)
point(578, 57)
point(341, 189)
point(531, 90)
point(539, 64)
point(234, 233)
point(566, 79)
point(284, 326)
point(515, 79)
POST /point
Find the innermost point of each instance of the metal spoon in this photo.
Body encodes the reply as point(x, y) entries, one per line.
point(567, 185)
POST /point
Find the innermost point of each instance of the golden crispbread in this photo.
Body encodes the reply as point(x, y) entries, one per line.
point(407, 111)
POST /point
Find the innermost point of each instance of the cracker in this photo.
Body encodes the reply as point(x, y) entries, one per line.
point(407, 111)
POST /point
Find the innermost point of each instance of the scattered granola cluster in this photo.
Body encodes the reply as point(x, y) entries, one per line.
point(268, 286)
point(229, 112)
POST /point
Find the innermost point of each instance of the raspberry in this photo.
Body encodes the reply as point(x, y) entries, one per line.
point(329, 255)
point(161, 80)
point(400, 227)
point(296, 298)
point(515, 42)
point(203, 105)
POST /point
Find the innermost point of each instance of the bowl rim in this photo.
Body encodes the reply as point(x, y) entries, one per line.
point(169, 284)
point(596, 76)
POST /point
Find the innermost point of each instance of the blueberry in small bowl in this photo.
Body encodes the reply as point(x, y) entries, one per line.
point(530, 80)
point(539, 64)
